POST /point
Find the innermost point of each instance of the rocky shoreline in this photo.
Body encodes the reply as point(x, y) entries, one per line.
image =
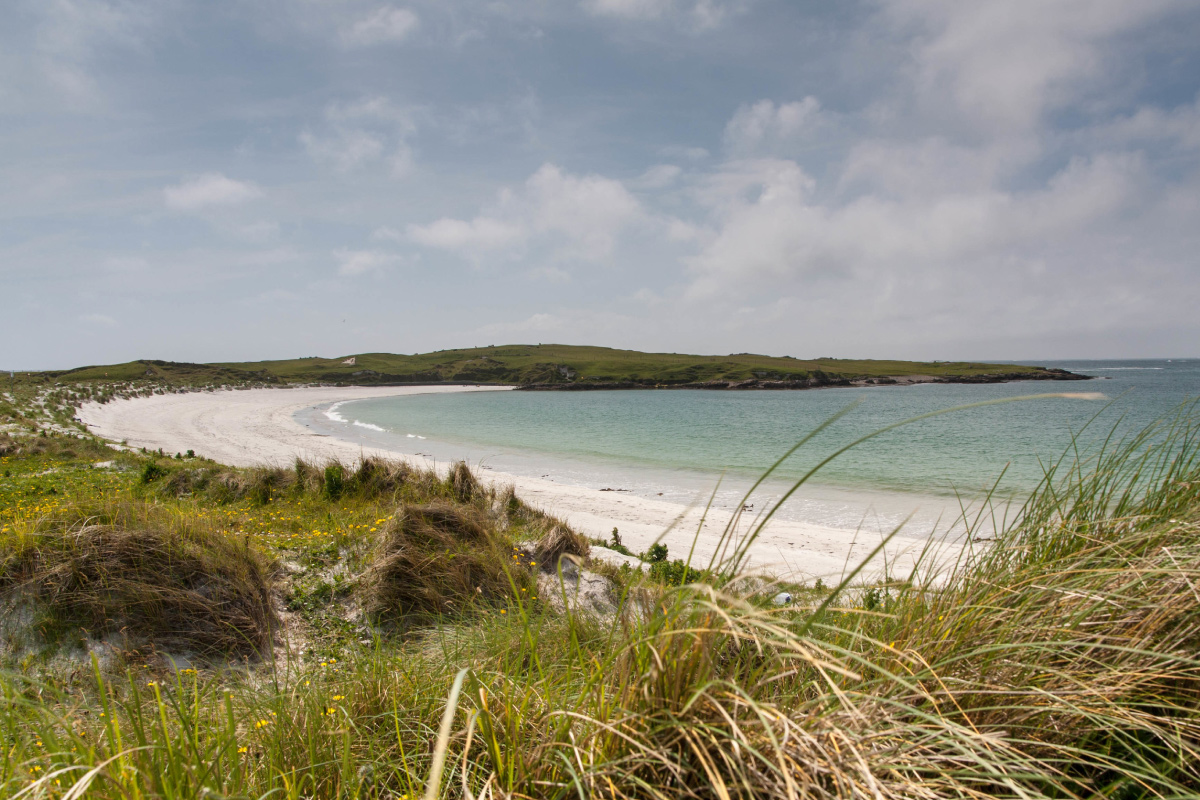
point(815, 381)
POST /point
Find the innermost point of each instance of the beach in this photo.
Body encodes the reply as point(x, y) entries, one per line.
point(258, 427)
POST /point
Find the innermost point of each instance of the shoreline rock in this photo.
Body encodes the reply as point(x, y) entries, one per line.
point(815, 381)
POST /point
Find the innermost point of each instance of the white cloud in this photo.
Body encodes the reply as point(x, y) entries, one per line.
point(630, 9)
point(386, 24)
point(763, 124)
point(387, 233)
point(686, 153)
point(535, 323)
point(928, 166)
point(373, 108)
point(344, 149)
point(697, 14)
point(589, 210)
point(261, 231)
point(400, 162)
point(126, 263)
point(657, 177)
point(102, 320)
point(211, 189)
point(1180, 125)
point(479, 235)
point(362, 133)
point(771, 229)
point(578, 217)
point(1002, 63)
point(72, 31)
point(359, 262)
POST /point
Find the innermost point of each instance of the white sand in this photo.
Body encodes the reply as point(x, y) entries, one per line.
point(256, 426)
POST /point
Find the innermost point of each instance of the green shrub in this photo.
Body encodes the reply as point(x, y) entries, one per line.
point(656, 553)
point(151, 472)
point(335, 481)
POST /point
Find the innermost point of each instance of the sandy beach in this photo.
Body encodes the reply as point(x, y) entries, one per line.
point(257, 426)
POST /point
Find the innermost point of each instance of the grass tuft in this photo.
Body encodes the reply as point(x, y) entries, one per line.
point(442, 559)
point(184, 590)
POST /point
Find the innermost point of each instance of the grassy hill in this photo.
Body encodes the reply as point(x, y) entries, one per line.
point(554, 366)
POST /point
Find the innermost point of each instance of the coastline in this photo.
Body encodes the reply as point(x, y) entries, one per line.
point(820, 381)
point(258, 426)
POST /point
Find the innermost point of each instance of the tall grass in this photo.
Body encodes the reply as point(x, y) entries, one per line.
point(1059, 661)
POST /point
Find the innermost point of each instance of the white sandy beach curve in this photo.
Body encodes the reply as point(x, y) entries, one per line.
point(257, 426)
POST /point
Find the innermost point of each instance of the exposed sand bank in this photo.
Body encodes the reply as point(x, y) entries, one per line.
point(251, 427)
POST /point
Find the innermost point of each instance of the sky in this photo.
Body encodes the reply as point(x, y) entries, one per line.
point(230, 180)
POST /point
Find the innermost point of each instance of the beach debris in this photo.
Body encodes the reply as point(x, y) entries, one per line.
point(783, 599)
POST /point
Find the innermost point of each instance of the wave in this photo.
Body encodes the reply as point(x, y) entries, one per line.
point(332, 413)
point(1113, 369)
point(369, 426)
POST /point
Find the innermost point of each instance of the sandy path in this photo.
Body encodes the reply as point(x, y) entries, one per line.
point(256, 426)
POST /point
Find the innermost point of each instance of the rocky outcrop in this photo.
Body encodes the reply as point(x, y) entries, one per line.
point(815, 380)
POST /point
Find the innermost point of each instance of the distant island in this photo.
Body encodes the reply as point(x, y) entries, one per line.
point(560, 367)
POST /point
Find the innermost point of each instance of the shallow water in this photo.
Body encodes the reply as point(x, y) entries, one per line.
point(676, 444)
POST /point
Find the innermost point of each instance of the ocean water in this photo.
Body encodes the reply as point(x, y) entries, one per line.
point(678, 444)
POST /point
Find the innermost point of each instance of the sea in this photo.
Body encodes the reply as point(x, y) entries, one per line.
point(697, 446)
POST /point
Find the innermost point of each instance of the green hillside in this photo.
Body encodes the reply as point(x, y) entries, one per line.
point(555, 366)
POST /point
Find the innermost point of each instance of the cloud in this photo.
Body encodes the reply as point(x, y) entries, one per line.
point(630, 9)
point(588, 210)
point(102, 320)
point(211, 189)
point(1179, 126)
point(344, 150)
point(536, 323)
point(479, 235)
point(697, 14)
point(657, 177)
point(578, 217)
point(763, 124)
point(387, 233)
point(362, 133)
point(373, 108)
point(359, 262)
point(773, 230)
point(126, 263)
point(1002, 63)
point(686, 153)
point(385, 25)
point(72, 32)
point(261, 231)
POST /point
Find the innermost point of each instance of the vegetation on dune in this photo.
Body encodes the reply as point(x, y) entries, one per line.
point(1058, 662)
point(185, 590)
point(543, 366)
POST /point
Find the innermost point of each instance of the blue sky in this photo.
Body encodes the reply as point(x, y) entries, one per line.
point(925, 179)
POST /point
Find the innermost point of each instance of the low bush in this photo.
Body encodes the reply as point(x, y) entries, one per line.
point(193, 591)
point(442, 559)
point(559, 541)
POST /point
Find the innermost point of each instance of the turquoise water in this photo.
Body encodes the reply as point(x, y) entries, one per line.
point(676, 442)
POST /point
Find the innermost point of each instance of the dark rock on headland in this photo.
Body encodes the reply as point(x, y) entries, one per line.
point(816, 380)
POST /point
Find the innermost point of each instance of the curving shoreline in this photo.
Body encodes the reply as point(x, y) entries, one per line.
point(256, 426)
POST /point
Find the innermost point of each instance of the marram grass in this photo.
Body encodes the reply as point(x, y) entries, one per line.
point(1061, 660)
